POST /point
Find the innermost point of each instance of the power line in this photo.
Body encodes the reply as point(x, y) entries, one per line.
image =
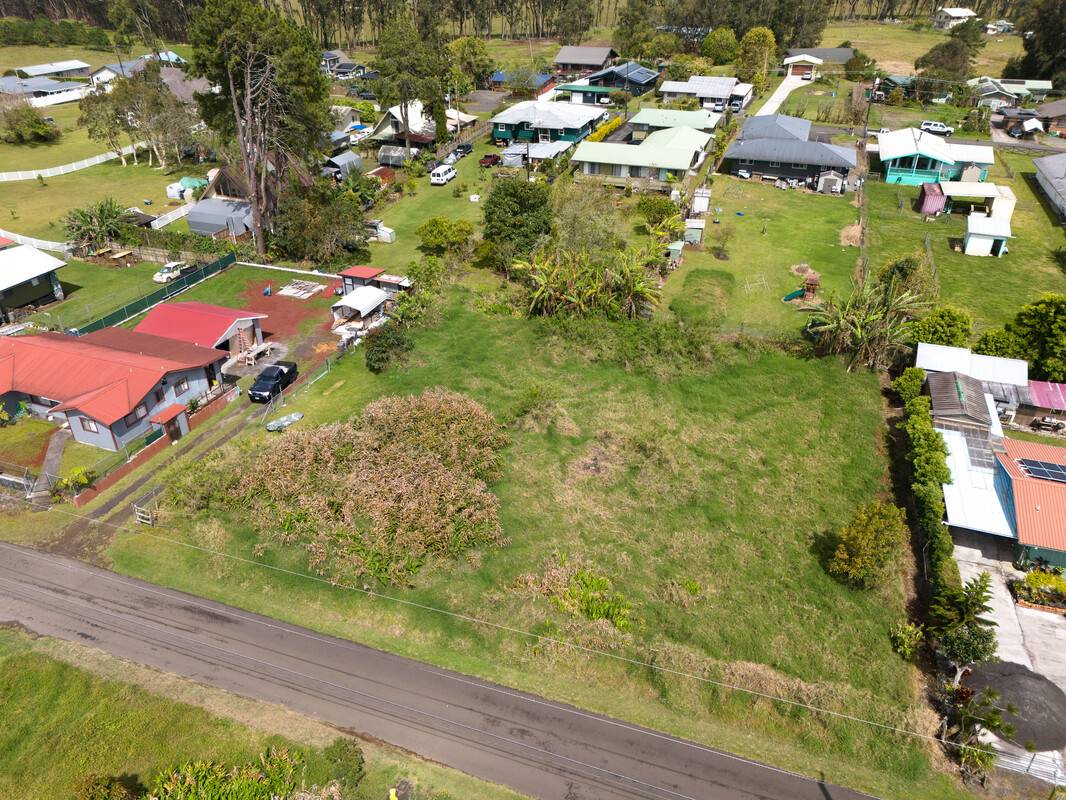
point(144, 531)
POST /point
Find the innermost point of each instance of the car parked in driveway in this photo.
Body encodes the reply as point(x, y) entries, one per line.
point(936, 127)
point(272, 381)
point(464, 150)
point(171, 271)
point(442, 174)
point(491, 160)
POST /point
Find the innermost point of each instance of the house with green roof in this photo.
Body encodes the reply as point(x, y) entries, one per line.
point(661, 160)
point(649, 120)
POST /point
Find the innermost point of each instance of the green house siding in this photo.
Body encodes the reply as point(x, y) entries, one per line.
point(916, 170)
point(1056, 558)
point(28, 292)
point(526, 133)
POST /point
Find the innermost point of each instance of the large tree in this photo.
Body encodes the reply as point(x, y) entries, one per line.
point(471, 57)
point(1045, 46)
point(272, 101)
point(756, 53)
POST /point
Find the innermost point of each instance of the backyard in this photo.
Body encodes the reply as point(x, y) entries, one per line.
point(12, 56)
point(993, 289)
point(93, 290)
point(681, 508)
point(73, 145)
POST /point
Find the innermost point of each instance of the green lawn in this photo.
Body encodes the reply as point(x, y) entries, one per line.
point(59, 722)
point(992, 289)
point(799, 228)
point(32, 209)
point(93, 290)
point(1039, 438)
point(896, 47)
point(24, 443)
point(701, 478)
point(12, 56)
point(73, 145)
point(78, 455)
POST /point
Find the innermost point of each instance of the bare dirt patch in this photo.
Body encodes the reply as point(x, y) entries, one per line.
point(851, 236)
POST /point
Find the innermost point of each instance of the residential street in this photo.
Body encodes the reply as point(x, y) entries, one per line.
point(535, 746)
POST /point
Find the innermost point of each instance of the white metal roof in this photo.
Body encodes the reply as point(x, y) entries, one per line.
point(542, 114)
point(911, 141)
point(987, 369)
point(35, 70)
point(803, 58)
point(957, 13)
point(538, 151)
point(23, 263)
point(971, 499)
point(988, 226)
point(363, 299)
point(969, 189)
point(701, 86)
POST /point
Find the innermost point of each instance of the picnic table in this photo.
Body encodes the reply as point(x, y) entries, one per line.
point(121, 254)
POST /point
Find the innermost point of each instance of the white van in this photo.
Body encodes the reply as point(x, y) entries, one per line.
point(442, 174)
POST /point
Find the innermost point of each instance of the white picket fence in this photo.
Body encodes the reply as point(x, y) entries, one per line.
point(165, 219)
point(65, 169)
point(40, 244)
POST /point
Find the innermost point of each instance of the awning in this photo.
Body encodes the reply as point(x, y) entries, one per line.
point(168, 414)
point(363, 300)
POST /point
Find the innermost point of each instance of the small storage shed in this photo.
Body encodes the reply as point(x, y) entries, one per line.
point(673, 252)
point(342, 165)
point(986, 236)
point(354, 277)
point(217, 215)
point(931, 199)
point(390, 155)
point(359, 307)
point(694, 230)
point(831, 182)
point(701, 200)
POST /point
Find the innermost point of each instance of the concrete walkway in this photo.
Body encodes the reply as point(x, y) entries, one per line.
point(50, 467)
point(775, 100)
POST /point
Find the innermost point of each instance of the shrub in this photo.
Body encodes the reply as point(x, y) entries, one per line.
point(909, 384)
point(906, 636)
point(101, 787)
point(605, 130)
point(517, 214)
point(384, 345)
point(870, 546)
point(347, 762)
point(274, 775)
point(591, 595)
point(655, 208)
point(440, 235)
point(946, 325)
point(21, 123)
point(1042, 587)
point(999, 342)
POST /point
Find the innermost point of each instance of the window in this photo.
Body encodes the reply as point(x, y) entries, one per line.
point(775, 163)
point(181, 387)
point(799, 166)
point(158, 396)
point(139, 413)
point(35, 281)
point(746, 161)
point(88, 425)
point(501, 126)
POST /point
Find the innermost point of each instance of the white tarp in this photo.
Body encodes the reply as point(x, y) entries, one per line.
point(363, 300)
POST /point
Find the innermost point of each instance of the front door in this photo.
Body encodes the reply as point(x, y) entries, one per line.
point(173, 431)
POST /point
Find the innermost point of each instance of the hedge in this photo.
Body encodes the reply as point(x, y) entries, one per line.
point(605, 130)
point(927, 453)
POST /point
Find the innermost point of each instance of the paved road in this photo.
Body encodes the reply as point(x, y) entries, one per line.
point(538, 747)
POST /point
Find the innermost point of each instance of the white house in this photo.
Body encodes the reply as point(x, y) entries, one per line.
point(947, 18)
point(708, 89)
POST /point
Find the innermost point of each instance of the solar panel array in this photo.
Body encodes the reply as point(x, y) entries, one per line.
point(1045, 470)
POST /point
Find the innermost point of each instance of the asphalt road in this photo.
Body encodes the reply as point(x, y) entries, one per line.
point(535, 746)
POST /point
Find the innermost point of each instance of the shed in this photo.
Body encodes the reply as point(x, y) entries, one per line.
point(27, 275)
point(986, 236)
point(360, 306)
point(218, 215)
point(391, 155)
point(701, 200)
point(342, 165)
point(831, 182)
point(674, 250)
point(694, 230)
point(232, 329)
point(931, 199)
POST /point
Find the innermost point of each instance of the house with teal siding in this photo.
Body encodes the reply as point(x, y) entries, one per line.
point(912, 157)
point(543, 121)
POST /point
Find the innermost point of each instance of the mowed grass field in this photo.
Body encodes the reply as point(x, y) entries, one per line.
point(93, 290)
point(33, 209)
point(73, 145)
point(659, 481)
point(896, 47)
point(65, 714)
point(778, 230)
point(992, 289)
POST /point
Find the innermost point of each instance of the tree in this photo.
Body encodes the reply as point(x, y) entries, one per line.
point(634, 31)
point(946, 325)
point(720, 45)
point(573, 20)
point(655, 208)
point(102, 121)
point(968, 717)
point(950, 60)
point(755, 54)
point(21, 123)
point(272, 102)
point(95, 226)
point(620, 98)
point(722, 234)
point(662, 46)
point(411, 69)
point(972, 35)
point(870, 545)
point(321, 223)
point(518, 213)
point(999, 342)
point(584, 218)
point(911, 272)
point(471, 56)
point(1045, 46)
point(966, 646)
point(964, 606)
point(1041, 327)
point(384, 345)
point(440, 236)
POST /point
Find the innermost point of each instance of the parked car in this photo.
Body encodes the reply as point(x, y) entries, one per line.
point(807, 76)
point(171, 271)
point(491, 160)
point(464, 150)
point(1048, 424)
point(736, 106)
point(272, 381)
point(451, 159)
point(718, 107)
point(442, 174)
point(367, 95)
point(743, 173)
point(432, 165)
point(937, 127)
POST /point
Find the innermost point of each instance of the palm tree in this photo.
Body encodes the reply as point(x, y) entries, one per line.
point(93, 227)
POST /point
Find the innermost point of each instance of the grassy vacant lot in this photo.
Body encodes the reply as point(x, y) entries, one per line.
point(29, 208)
point(991, 288)
point(65, 714)
point(93, 290)
point(25, 442)
point(691, 492)
point(895, 47)
point(779, 229)
point(73, 145)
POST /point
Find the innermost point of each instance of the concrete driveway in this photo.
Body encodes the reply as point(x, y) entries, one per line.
point(780, 93)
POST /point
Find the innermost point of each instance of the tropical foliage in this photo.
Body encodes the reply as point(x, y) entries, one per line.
point(94, 226)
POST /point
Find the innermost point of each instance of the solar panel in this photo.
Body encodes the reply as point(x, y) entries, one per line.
point(1045, 470)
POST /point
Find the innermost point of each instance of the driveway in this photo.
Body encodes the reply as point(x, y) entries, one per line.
point(482, 101)
point(780, 93)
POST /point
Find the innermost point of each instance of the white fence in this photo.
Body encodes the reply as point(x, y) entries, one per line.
point(165, 219)
point(40, 244)
point(52, 172)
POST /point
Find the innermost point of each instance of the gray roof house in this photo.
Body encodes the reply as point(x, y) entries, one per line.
point(1051, 175)
point(220, 215)
point(35, 87)
point(829, 55)
point(778, 146)
point(572, 58)
point(341, 165)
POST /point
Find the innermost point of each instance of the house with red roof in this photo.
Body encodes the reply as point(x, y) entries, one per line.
point(112, 386)
point(1035, 497)
point(354, 277)
point(231, 329)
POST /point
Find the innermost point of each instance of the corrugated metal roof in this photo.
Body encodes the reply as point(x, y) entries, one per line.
point(642, 155)
point(776, 126)
point(1045, 394)
point(942, 358)
point(23, 263)
point(988, 226)
point(830, 55)
point(631, 71)
point(974, 500)
point(587, 56)
point(957, 395)
point(545, 114)
point(912, 141)
point(363, 299)
point(1039, 505)
point(200, 324)
point(1053, 170)
point(36, 70)
point(670, 118)
point(701, 86)
point(791, 151)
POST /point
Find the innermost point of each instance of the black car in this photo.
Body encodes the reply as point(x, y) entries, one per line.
point(272, 381)
point(464, 149)
point(432, 165)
